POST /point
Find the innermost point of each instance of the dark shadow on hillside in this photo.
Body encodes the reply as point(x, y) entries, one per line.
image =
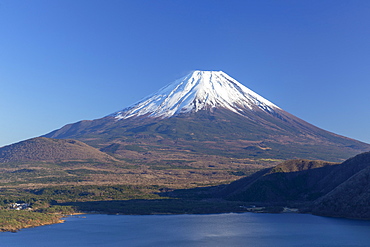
point(264, 186)
point(296, 183)
point(158, 206)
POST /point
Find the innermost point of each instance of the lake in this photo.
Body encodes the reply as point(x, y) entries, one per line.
point(246, 229)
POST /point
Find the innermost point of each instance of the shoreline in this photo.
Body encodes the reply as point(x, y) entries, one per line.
point(58, 218)
point(14, 221)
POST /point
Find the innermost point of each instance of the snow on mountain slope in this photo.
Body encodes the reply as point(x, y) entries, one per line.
point(198, 90)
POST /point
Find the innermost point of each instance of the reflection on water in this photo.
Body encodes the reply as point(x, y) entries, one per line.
point(245, 229)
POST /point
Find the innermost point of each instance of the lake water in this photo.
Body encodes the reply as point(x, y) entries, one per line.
point(231, 230)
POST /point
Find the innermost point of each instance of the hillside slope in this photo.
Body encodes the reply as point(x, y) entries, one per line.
point(293, 180)
point(42, 161)
point(47, 149)
point(329, 189)
point(351, 198)
point(220, 132)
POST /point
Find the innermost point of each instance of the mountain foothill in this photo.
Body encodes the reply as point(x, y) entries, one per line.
point(205, 129)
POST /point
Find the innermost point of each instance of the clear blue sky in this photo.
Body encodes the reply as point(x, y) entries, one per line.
point(66, 61)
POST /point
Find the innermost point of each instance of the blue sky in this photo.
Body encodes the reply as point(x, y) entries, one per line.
point(66, 61)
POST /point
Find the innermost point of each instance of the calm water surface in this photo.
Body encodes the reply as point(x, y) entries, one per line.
point(248, 229)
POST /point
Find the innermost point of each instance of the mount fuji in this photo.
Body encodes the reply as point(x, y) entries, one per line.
point(199, 90)
point(209, 114)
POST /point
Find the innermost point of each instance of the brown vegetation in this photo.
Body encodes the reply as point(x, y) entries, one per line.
point(47, 149)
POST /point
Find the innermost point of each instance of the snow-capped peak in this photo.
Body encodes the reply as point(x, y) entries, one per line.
point(198, 90)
